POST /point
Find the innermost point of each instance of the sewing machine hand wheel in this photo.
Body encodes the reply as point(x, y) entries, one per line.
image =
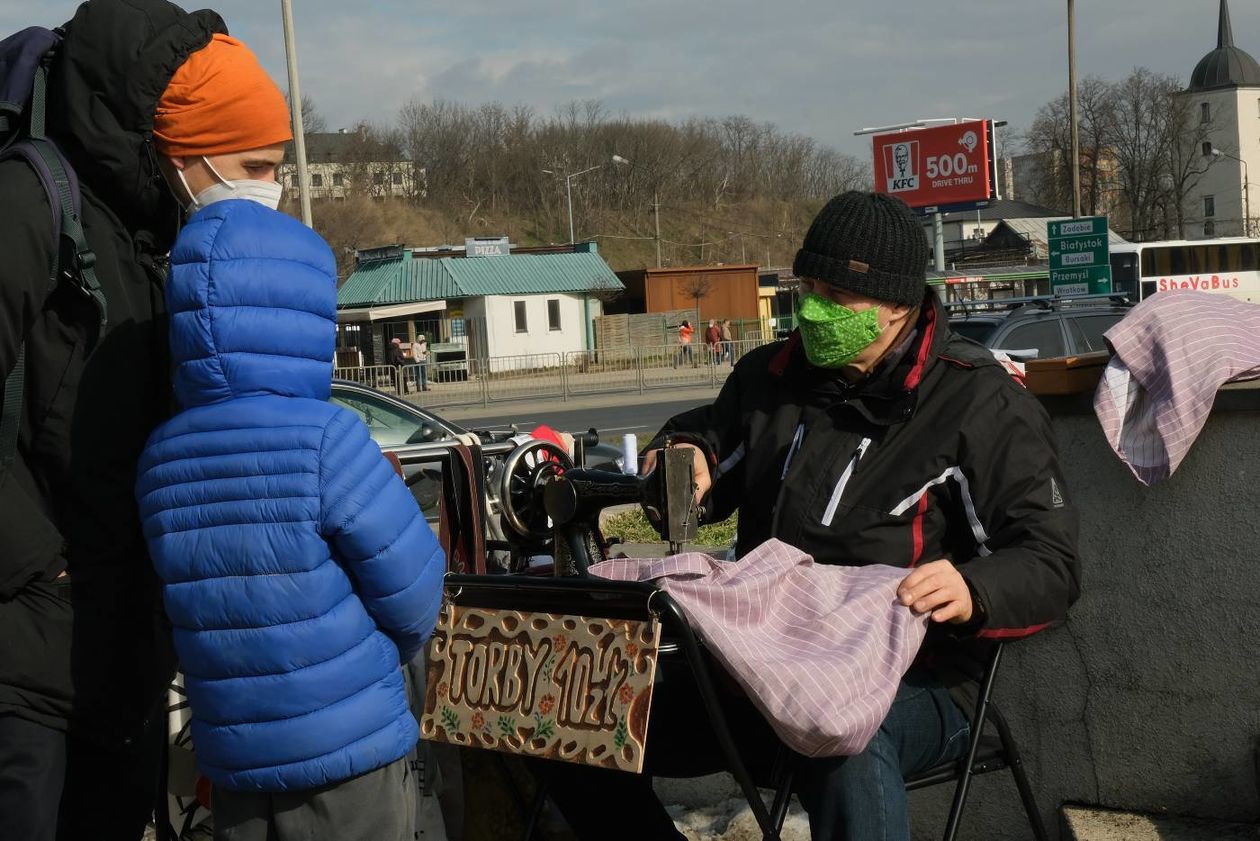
point(525, 472)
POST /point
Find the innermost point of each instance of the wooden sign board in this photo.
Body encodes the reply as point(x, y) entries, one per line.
point(573, 688)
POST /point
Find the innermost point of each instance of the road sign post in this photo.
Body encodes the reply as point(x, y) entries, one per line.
point(1080, 256)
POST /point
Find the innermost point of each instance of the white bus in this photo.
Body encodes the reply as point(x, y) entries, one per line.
point(1227, 266)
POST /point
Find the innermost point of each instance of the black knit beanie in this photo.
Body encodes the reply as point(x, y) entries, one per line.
point(867, 243)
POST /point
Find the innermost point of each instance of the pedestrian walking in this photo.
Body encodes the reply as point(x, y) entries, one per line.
point(685, 332)
point(712, 336)
point(396, 358)
point(728, 342)
point(420, 358)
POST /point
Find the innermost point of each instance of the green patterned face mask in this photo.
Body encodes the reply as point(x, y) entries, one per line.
point(833, 334)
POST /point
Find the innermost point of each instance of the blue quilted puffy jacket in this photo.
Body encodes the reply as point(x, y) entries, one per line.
point(298, 569)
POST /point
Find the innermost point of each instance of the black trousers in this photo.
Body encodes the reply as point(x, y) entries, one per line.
point(55, 787)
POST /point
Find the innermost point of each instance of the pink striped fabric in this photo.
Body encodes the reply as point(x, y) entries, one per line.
point(819, 649)
point(1173, 353)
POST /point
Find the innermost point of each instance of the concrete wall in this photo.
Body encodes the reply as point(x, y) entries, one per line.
point(1149, 698)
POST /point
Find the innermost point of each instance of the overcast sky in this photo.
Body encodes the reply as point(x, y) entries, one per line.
point(824, 68)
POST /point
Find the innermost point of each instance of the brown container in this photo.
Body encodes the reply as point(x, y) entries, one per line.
point(1066, 375)
point(728, 291)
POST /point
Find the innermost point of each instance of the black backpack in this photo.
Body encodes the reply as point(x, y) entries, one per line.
point(24, 61)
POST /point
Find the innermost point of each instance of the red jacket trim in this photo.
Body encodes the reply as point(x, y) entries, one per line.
point(1012, 633)
point(925, 350)
point(781, 359)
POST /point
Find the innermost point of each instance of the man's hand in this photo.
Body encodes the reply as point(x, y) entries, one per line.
point(700, 468)
point(938, 588)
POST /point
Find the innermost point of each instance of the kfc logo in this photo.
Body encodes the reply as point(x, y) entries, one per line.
point(901, 162)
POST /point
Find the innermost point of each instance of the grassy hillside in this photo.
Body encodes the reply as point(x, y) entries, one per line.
point(690, 233)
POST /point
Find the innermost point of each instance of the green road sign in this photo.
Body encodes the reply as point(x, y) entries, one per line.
point(1092, 280)
point(1085, 226)
point(1080, 256)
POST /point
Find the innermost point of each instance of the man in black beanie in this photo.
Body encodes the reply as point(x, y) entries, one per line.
point(874, 435)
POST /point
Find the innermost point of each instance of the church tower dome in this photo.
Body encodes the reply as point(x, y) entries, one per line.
point(1226, 66)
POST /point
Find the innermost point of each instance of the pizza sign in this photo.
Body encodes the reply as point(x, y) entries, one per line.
point(935, 166)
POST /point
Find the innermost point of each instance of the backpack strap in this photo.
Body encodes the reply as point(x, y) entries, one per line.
point(62, 189)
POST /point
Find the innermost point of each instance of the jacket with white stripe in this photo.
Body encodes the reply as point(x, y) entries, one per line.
point(940, 453)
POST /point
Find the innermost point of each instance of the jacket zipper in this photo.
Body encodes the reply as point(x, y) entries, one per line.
point(830, 514)
point(777, 510)
point(792, 450)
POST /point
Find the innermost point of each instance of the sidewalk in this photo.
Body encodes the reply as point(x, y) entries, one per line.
point(551, 405)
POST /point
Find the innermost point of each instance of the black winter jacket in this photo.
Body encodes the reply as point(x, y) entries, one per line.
point(82, 648)
point(938, 454)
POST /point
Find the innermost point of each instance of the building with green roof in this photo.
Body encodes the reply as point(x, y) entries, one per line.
point(512, 302)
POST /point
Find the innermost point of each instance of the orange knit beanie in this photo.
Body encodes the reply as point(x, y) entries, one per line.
point(218, 102)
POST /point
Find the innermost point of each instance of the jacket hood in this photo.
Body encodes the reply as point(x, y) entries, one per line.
point(116, 61)
point(253, 302)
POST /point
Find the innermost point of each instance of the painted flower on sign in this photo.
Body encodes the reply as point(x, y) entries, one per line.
point(559, 642)
point(626, 694)
point(632, 650)
point(442, 688)
point(546, 703)
point(478, 721)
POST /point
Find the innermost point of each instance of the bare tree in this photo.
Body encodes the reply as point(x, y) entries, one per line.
point(698, 288)
point(1139, 143)
point(1185, 164)
point(312, 121)
point(1049, 139)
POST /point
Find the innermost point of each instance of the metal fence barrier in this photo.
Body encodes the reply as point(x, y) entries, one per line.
point(433, 384)
point(536, 375)
point(601, 371)
point(500, 379)
point(380, 377)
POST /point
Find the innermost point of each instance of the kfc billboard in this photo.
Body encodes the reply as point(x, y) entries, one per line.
point(930, 167)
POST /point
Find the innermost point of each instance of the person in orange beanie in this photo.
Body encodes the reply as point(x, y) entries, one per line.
point(221, 126)
point(146, 102)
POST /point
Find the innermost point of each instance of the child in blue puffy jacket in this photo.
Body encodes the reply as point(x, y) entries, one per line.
point(299, 572)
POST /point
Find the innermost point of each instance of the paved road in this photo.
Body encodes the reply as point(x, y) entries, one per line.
point(643, 419)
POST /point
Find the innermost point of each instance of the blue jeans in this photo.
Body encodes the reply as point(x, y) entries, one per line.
point(863, 797)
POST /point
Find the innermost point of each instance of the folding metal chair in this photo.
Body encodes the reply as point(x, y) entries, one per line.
point(988, 752)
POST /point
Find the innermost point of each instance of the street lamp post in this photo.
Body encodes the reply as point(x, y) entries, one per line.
point(1246, 188)
point(568, 188)
point(1076, 135)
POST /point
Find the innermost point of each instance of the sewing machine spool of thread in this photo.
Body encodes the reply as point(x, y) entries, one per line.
point(630, 450)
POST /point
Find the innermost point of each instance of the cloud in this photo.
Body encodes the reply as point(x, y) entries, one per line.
point(819, 67)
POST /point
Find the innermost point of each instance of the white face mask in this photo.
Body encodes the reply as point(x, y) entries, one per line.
point(266, 193)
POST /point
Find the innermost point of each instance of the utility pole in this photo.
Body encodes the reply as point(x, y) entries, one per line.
point(568, 189)
point(295, 106)
point(656, 210)
point(1076, 137)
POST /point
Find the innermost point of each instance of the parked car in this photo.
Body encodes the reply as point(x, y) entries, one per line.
point(1039, 328)
point(395, 423)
